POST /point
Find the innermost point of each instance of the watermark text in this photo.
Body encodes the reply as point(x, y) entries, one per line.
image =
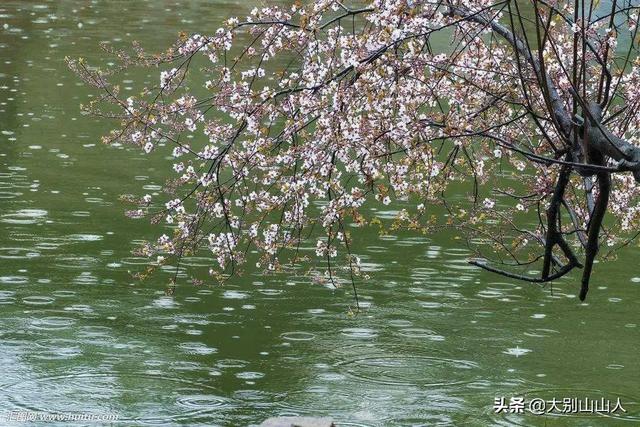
point(566, 405)
point(34, 416)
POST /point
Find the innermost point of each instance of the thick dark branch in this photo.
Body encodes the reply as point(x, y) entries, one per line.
point(554, 237)
point(553, 212)
point(601, 139)
point(595, 224)
point(560, 114)
point(606, 143)
point(563, 271)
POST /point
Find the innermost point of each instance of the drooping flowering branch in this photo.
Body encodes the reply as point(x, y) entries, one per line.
point(286, 124)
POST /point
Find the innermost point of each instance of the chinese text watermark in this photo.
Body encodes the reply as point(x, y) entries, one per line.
point(566, 405)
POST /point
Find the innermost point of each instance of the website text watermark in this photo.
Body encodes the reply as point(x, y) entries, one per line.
point(35, 416)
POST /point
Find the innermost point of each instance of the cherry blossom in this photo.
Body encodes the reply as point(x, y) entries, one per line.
point(290, 123)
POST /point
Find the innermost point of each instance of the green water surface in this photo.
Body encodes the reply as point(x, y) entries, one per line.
point(436, 343)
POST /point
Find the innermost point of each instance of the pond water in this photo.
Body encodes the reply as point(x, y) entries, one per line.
point(436, 343)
